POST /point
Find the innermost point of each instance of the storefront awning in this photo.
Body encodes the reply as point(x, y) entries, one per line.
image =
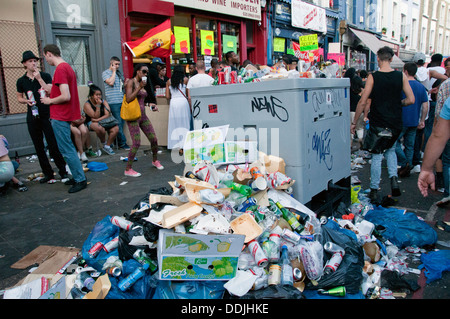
point(373, 43)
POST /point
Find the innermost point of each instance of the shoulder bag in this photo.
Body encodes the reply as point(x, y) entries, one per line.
point(130, 111)
point(108, 122)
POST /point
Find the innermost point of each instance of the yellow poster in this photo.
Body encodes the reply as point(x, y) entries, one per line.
point(207, 42)
point(182, 40)
point(279, 44)
point(309, 42)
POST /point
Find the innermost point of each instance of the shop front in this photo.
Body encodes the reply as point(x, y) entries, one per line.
point(203, 29)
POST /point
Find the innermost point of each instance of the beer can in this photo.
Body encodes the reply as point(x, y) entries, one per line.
point(227, 74)
point(333, 263)
point(42, 93)
point(31, 97)
point(121, 222)
point(240, 79)
point(275, 238)
point(291, 236)
point(111, 245)
point(242, 72)
point(258, 253)
point(250, 73)
point(221, 77)
point(246, 204)
point(274, 274)
point(297, 273)
point(114, 271)
point(233, 77)
point(95, 249)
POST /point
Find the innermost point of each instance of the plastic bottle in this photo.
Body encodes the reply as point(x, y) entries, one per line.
point(243, 189)
point(286, 268)
point(291, 219)
point(127, 282)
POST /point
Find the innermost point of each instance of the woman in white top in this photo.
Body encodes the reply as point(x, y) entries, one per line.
point(179, 109)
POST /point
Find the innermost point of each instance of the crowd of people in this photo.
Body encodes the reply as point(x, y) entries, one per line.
point(416, 98)
point(401, 115)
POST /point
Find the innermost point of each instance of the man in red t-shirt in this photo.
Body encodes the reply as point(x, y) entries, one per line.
point(64, 108)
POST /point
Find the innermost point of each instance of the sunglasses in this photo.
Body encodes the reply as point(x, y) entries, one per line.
point(144, 71)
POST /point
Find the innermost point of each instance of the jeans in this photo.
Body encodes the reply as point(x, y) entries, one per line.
point(38, 128)
point(375, 167)
point(115, 109)
point(67, 149)
point(406, 156)
point(446, 167)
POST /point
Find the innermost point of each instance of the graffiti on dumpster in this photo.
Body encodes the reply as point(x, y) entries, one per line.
point(321, 145)
point(196, 112)
point(271, 105)
point(330, 98)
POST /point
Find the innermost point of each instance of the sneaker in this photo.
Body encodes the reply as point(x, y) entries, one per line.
point(132, 173)
point(84, 157)
point(91, 153)
point(158, 165)
point(108, 150)
point(416, 169)
point(125, 147)
point(78, 186)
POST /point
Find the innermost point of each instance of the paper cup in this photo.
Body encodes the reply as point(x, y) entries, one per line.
point(259, 184)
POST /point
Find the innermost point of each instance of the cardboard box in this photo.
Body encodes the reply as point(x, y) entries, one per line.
point(209, 144)
point(198, 257)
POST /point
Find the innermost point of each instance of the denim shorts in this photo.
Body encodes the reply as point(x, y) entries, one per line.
point(6, 171)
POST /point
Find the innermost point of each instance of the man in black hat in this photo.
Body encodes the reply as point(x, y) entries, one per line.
point(39, 125)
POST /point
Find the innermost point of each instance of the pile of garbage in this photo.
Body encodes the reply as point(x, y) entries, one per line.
point(236, 231)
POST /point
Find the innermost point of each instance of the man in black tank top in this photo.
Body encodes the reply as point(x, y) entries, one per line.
point(384, 88)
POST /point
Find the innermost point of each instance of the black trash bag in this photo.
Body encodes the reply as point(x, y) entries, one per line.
point(271, 292)
point(393, 281)
point(349, 273)
point(126, 250)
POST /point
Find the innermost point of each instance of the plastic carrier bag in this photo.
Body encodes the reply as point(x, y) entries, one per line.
point(435, 263)
point(104, 231)
point(143, 288)
point(403, 229)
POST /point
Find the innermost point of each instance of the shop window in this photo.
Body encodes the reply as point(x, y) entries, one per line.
point(206, 25)
point(186, 55)
point(230, 37)
point(75, 51)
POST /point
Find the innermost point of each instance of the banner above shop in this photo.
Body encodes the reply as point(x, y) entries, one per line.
point(249, 9)
point(308, 16)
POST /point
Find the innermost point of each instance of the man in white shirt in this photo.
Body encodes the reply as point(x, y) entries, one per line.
point(201, 78)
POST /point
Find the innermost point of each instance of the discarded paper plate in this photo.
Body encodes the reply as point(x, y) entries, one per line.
point(246, 225)
point(181, 214)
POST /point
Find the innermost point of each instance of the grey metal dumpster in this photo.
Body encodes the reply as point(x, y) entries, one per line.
point(304, 121)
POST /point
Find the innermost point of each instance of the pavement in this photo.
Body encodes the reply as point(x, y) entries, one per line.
point(48, 215)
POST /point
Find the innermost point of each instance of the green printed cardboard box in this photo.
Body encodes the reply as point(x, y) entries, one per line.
point(198, 257)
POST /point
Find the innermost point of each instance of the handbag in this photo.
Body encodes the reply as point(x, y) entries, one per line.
point(379, 139)
point(108, 122)
point(130, 111)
